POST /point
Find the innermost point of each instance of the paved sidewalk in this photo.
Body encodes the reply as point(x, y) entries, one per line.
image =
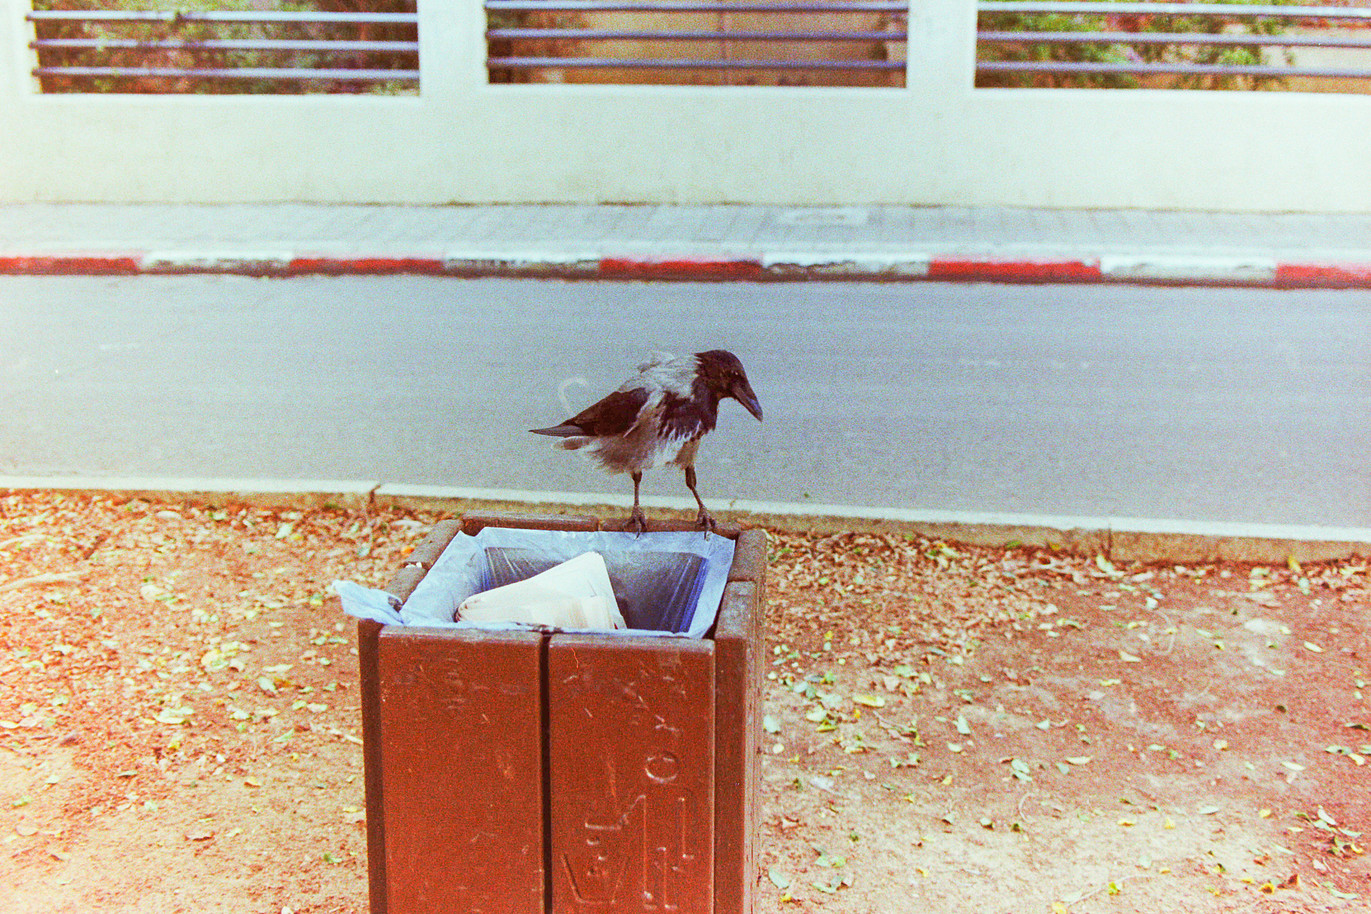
point(692, 242)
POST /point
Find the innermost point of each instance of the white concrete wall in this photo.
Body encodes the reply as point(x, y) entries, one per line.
point(939, 141)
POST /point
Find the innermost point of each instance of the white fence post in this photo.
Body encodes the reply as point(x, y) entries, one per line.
point(17, 59)
point(942, 48)
point(451, 48)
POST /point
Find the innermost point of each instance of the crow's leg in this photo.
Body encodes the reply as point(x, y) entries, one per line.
point(704, 520)
point(636, 520)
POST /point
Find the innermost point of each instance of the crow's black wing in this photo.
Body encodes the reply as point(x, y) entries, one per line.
point(613, 415)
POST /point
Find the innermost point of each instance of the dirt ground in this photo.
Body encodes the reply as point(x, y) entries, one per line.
point(947, 728)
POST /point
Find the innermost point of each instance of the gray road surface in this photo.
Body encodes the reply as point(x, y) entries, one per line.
point(1194, 403)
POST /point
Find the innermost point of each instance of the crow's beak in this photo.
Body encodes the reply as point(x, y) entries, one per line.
point(742, 392)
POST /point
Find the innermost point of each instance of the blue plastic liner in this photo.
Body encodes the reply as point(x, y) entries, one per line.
point(665, 583)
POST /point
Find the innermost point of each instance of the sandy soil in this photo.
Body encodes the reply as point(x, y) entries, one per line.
point(948, 728)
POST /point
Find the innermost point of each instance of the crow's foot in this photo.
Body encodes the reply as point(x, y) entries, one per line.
point(705, 522)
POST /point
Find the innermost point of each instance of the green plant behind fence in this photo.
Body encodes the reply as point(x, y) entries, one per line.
point(1122, 52)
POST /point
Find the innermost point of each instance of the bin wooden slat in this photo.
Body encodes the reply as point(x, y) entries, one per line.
point(736, 769)
point(631, 770)
point(461, 751)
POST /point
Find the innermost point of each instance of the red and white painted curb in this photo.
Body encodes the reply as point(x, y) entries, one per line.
point(1141, 268)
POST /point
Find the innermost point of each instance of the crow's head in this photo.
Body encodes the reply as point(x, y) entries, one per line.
point(723, 374)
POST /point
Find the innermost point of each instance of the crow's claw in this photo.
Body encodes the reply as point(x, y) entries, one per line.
point(636, 521)
point(706, 522)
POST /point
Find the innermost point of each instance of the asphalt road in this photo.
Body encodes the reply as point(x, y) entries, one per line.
point(1191, 403)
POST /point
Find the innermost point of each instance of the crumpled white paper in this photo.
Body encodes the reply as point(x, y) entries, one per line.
point(574, 594)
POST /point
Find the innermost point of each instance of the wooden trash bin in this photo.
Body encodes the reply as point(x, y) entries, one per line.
point(518, 772)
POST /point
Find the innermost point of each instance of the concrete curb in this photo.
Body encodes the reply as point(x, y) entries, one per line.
point(1121, 539)
point(1145, 268)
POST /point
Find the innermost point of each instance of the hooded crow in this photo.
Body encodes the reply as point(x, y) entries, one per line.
point(659, 414)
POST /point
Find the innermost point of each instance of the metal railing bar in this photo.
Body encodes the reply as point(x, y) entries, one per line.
point(1017, 66)
point(232, 73)
point(1309, 41)
point(518, 34)
point(219, 16)
point(636, 63)
point(225, 45)
point(1175, 9)
point(696, 6)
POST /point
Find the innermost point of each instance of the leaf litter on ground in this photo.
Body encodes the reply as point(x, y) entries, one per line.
point(183, 611)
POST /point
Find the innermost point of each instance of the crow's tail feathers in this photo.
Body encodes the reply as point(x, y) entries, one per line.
point(566, 430)
point(573, 436)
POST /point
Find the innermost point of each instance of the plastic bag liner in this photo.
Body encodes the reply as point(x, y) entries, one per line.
point(665, 583)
